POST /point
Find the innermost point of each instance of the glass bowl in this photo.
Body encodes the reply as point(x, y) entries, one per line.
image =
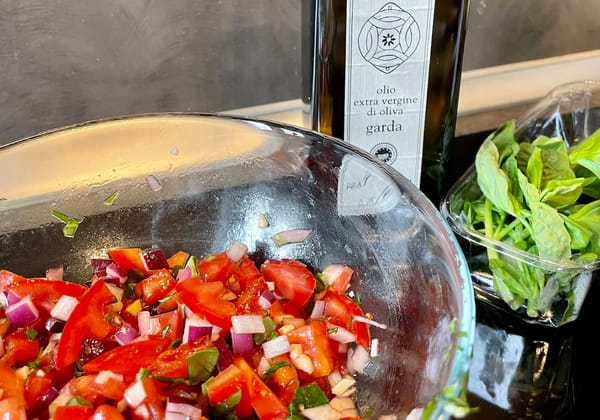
point(213, 178)
point(569, 112)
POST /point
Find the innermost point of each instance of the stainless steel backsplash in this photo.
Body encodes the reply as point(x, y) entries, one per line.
point(67, 61)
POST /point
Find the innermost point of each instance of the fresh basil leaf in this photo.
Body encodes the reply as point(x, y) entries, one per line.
point(273, 368)
point(561, 193)
point(549, 233)
point(587, 153)
point(535, 168)
point(588, 216)
point(78, 401)
point(492, 180)
point(580, 235)
point(555, 159)
point(307, 396)
point(201, 364)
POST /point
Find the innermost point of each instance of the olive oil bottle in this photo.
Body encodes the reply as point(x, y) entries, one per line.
point(385, 76)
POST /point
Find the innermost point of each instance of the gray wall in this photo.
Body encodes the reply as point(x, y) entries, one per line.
point(67, 61)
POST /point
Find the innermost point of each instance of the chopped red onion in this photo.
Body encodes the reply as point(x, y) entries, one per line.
point(358, 358)
point(22, 313)
point(196, 327)
point(276, 347)
point(135, 394)
point(154, 259)
point(318, 309)
point(153, 183)
point(290, 236)
point(64, 307)
point(126, 334)
point(104, 376)
point(374, 347)
point(184, 274)
point(266, 299)
point(244, 324)
point(114, 271)
point(100, 265)
point(243, 343)
point(187, 409)
point(236, 251)
point(3, 300)
point(44, 400)
point(55, 273)
point(225, 356)
point(11, 298)
point(143, 319)
point(340, 334)
point(366, 320)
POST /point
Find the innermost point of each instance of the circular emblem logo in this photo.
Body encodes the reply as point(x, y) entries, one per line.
point(389, 38)
point(386, 152)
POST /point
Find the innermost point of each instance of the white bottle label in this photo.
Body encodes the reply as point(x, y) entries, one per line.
point(388, 46)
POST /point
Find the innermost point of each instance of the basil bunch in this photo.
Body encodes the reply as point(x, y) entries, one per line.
point(541, 197)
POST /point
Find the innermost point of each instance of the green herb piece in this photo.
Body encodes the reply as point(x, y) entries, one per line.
point(192, 264)
point(333, 330)
point(31, 333)
point(165, 331)
point(70, 228)
point(273, 368)
point(224, 409)
point(60, 216)
point(307, 396)
point(269, 333)
point(142, 373)
point(111, 198)
point(320, 285)
point(201, 364)
point(78, 401)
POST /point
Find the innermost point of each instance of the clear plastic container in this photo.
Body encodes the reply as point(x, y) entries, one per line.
point(571, 112)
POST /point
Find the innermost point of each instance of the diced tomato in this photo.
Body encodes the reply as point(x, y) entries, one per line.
point(107, 412)
point(284, 381)
point(12, 402)
point(204, 298)
point(178, 259)
point(265, 403)
point(129, 259)
point(216, 267)
point(339, 310)
point(19, 349)
point(107, 385)
point(155, 286)
point(172, 362)
point(292, 279)
point(130, 358)
point(171, 323)
point(44, 292)
point(86, 321)
point(81, 387)
point(282, 308)
point(252, 285)
point(37, 384)
point(152, 405)
point(70, 412)
point(224, 385)
point(338, 277)
point(317, 345)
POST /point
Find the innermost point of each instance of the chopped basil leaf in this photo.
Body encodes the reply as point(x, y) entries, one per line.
point(70, 228)
point(165, 331)
point(31, 333)
point(142, 373)
point(60, 216)
point(192, 264)
point(176, 343)
point(224, 409)
point(270, 327)
point(307, 396)
point(78, 401)
point(201, 364)
point(273, 368)
point(320, 285)
point(333, 330)
point(111, 198)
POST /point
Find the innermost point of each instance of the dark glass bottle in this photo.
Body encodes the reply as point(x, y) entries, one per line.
point(385, 76)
